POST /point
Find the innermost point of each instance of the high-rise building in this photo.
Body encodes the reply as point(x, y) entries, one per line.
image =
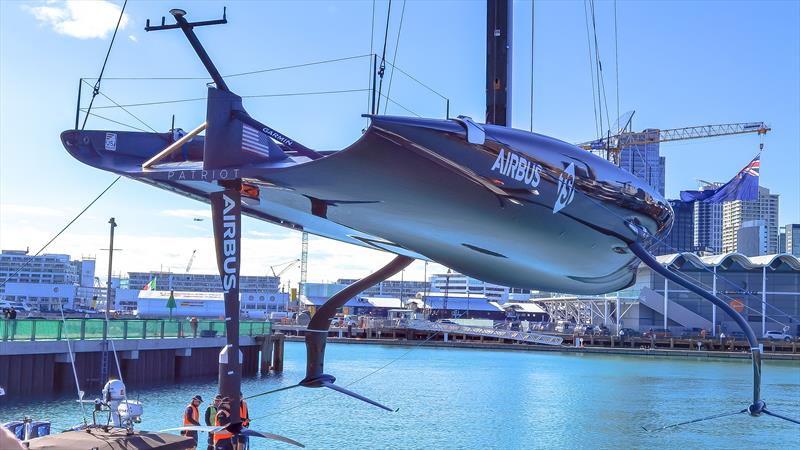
point(751, 238)
point(736, 213)
point(681, 236)
point(792, 231)
point(708, 224)
point(644, 161)
point(782, 241)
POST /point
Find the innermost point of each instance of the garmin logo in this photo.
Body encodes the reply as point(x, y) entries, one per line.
point(517, 167)
point(229, 245)
point(566, 188)
point(277, 136)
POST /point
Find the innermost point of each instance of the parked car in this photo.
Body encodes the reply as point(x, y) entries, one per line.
point(584, 330)
point(657, 333)
point(778, 336)
point(446, 322)
point(629, 332)
point(564, 327)
point(737, 335)
point(601, 330)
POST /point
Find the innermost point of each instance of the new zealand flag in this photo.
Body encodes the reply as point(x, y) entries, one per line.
point(744, 186)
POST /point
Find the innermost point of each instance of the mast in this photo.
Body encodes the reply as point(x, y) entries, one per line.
point(499, 20)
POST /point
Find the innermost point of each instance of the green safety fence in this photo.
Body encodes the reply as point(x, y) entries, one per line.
point(79, 329)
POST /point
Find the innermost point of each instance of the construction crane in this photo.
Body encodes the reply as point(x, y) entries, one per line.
point(288, 264)
point(191, 260)
point(612, 145)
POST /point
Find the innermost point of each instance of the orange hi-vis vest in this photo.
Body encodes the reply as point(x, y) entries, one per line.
point(243, 413)
point(220, 435)
point(195, 416)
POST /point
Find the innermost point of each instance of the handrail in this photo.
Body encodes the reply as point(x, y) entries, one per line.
point(520, 336)
point(91, 329)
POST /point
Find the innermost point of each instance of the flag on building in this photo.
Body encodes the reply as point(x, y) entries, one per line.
point(150, 286)
point(744, 186)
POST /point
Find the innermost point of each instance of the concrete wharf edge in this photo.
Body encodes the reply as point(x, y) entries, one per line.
point(560, 349)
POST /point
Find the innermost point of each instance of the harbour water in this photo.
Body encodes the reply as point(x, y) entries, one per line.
point(477, 399)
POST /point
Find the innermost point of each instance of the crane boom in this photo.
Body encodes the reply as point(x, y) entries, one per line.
point(191, 260)
point(614, 144)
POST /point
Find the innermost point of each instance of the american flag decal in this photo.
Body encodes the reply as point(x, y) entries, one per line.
point(254, 141)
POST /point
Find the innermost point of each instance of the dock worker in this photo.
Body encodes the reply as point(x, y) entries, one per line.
point(222, 439)
point(211, 417)
point(244, 414)
point(191, 417)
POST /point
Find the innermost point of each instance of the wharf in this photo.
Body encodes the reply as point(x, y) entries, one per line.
point(36, 357)
point(670, 347)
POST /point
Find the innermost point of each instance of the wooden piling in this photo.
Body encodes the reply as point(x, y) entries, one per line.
point(277, 355)
point(266, 353)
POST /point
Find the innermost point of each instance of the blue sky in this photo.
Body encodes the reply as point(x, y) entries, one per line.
point(680, 64)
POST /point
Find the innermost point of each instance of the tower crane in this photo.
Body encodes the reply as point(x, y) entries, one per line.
point(191, 260)
point(288, 264)
point(612, 145)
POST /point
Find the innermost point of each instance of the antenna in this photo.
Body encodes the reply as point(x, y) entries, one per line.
point(188, 30)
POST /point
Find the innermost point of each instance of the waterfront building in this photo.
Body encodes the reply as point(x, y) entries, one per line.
point(456, 283)
point(681, 236)
point(401, 289)
point(766, 289)
point(47, 282)
point(644, 161)
point(792, 232)
point(736, 213)
point(198, 282)
point(257, 293)
point(707, 227)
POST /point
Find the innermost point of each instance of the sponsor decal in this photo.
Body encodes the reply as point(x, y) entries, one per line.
point(203, 175)
point(111, 142)
point(229, 245)
point(277, 136)
point(566, 188)
point(517, 167)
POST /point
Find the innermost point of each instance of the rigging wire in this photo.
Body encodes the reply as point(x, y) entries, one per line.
point(313, 400)
point(616, 60)
point(29, 260)
point(601, 82)
point(96, 87)
point(394, 58)
point(533, 41)
point(238, 74)
point(112, 120)
point(197, 99)
point(401, 106)
point(72, 363)
point(372, 55)
point(591, 68)
point(128, 112)
point(382, 67)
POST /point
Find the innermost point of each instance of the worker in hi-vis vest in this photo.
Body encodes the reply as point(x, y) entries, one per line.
point(211, 417)
point(222, 438)
point(242, 442)
point(191, 417)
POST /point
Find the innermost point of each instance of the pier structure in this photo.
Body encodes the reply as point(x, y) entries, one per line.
point(35, 357)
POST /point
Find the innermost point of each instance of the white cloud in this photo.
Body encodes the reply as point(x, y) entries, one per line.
point(187, 213)
point(28, 210)
point(84, 19)
point(133, 38)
